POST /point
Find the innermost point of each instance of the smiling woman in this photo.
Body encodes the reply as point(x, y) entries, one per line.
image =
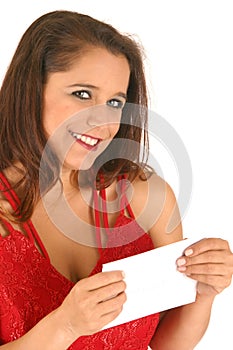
point(98, 78)
point(73, 144)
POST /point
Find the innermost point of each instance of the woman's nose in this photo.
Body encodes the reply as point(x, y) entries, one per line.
point(103, 116)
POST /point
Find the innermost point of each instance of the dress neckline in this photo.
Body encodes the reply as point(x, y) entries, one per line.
point(16, 234)
point(33, 236)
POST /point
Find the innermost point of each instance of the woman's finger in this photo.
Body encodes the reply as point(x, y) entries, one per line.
point(109, 291)
point(206, 269)
point(206, 244)
point(212, 280)
point(214, 257)
point(112, 305)
point(101, 279)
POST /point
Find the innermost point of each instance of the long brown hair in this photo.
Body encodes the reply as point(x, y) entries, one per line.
point(49, 45)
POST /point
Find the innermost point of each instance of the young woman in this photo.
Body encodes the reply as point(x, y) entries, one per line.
point(67, 115)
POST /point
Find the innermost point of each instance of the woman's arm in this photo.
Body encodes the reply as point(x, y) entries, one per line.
point(91, 304)
point(183, 327)
point(49, 334)
point(209, 261)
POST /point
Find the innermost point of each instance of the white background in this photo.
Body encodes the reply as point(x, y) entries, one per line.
point(189, 63)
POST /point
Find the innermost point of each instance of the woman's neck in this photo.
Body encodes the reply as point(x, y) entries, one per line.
point(65, 176)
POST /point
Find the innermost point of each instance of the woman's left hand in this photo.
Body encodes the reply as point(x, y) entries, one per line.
point(209, 262)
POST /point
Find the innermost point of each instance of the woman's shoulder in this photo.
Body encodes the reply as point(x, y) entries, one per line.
point(154, 204)
point(149, 180)
point(149, 188)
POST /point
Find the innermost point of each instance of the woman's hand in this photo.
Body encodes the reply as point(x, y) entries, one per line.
point(210, 262)
point(94, 302)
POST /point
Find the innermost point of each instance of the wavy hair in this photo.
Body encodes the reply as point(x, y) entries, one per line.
point(50, 45)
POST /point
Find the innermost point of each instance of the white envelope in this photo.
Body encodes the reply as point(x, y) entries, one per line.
point(153, 282)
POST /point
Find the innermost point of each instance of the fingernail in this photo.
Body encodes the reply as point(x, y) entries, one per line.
point(188, 252)
point(181, 268)
point(181, 261)
point(123, 274)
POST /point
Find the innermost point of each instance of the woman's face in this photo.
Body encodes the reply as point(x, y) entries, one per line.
point(83, 106)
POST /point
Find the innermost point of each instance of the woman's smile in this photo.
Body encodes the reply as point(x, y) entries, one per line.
point(87, 141)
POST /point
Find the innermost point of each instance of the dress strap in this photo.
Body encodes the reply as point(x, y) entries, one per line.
point(97, 222)
point(8, 192)
point(12, 198)
point(124, 204)
point(97, 210)
point(14, 201)
point(104, 210)
point(37, 238)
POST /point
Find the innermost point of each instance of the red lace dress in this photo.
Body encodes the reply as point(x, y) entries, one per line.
point(30, 287)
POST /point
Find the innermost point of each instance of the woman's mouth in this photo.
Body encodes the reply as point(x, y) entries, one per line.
point(87, 141)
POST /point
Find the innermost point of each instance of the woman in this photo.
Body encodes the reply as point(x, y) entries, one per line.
point(73, 101)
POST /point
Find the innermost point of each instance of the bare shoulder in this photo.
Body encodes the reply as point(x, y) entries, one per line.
point(155, 207)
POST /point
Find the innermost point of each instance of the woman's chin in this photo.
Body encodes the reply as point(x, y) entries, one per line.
point(78, 164)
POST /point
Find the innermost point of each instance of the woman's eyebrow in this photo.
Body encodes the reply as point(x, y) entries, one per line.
point(122, 94)
point(90, 86)
point(84, 85)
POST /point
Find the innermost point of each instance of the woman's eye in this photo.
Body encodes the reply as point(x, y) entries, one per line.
point(82, 94)
point(115, 104)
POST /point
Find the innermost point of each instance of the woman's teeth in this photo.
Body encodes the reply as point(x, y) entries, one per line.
point(85, 139)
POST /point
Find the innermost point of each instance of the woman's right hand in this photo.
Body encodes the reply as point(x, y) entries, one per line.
point(94, 302)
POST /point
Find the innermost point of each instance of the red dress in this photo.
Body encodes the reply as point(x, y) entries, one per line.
point(30, 287)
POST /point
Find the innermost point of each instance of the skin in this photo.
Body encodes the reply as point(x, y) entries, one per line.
point(101, 78)
point(97, 79)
